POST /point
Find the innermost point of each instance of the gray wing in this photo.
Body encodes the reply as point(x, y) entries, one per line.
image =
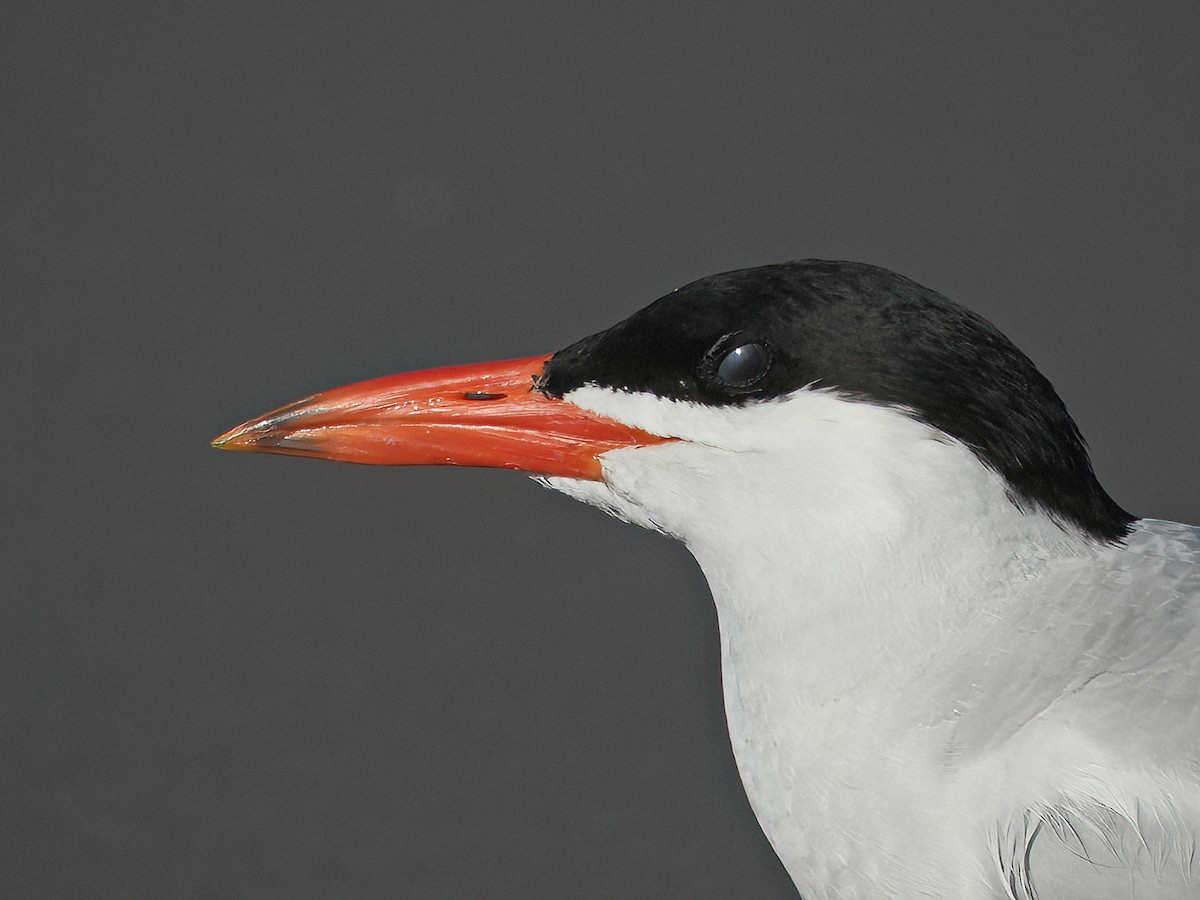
point(1103, 647)
point(1059, 871)
point(1140, 699)
point(1136, 618)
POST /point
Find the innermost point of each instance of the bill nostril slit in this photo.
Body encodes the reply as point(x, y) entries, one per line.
point(482, 395)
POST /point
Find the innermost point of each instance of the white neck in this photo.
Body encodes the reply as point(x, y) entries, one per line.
point(837, 634)
point(844, 545)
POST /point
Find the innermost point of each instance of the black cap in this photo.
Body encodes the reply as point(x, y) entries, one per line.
point(752, 335)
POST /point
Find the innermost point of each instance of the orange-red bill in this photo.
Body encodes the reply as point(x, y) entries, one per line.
point(486, 414)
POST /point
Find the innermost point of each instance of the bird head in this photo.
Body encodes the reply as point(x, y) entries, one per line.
point(802, 378)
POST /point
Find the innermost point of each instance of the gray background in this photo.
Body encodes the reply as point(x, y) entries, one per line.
point(232, 676)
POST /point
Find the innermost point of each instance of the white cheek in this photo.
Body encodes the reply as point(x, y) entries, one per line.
point(667, 483)
point(754, 426)
point(811, 454)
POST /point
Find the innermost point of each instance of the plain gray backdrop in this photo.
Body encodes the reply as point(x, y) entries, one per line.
point(236, 676)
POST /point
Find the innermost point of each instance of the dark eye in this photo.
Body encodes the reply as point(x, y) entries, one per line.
point(743, 365)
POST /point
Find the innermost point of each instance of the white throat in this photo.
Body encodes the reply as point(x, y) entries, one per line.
point(845, 545)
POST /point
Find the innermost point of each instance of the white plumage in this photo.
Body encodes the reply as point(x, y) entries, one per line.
point(924, 683)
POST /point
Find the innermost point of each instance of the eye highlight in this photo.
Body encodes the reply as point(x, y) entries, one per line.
point(737, 363)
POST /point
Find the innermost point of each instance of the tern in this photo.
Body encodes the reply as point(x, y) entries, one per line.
point(952, 666)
